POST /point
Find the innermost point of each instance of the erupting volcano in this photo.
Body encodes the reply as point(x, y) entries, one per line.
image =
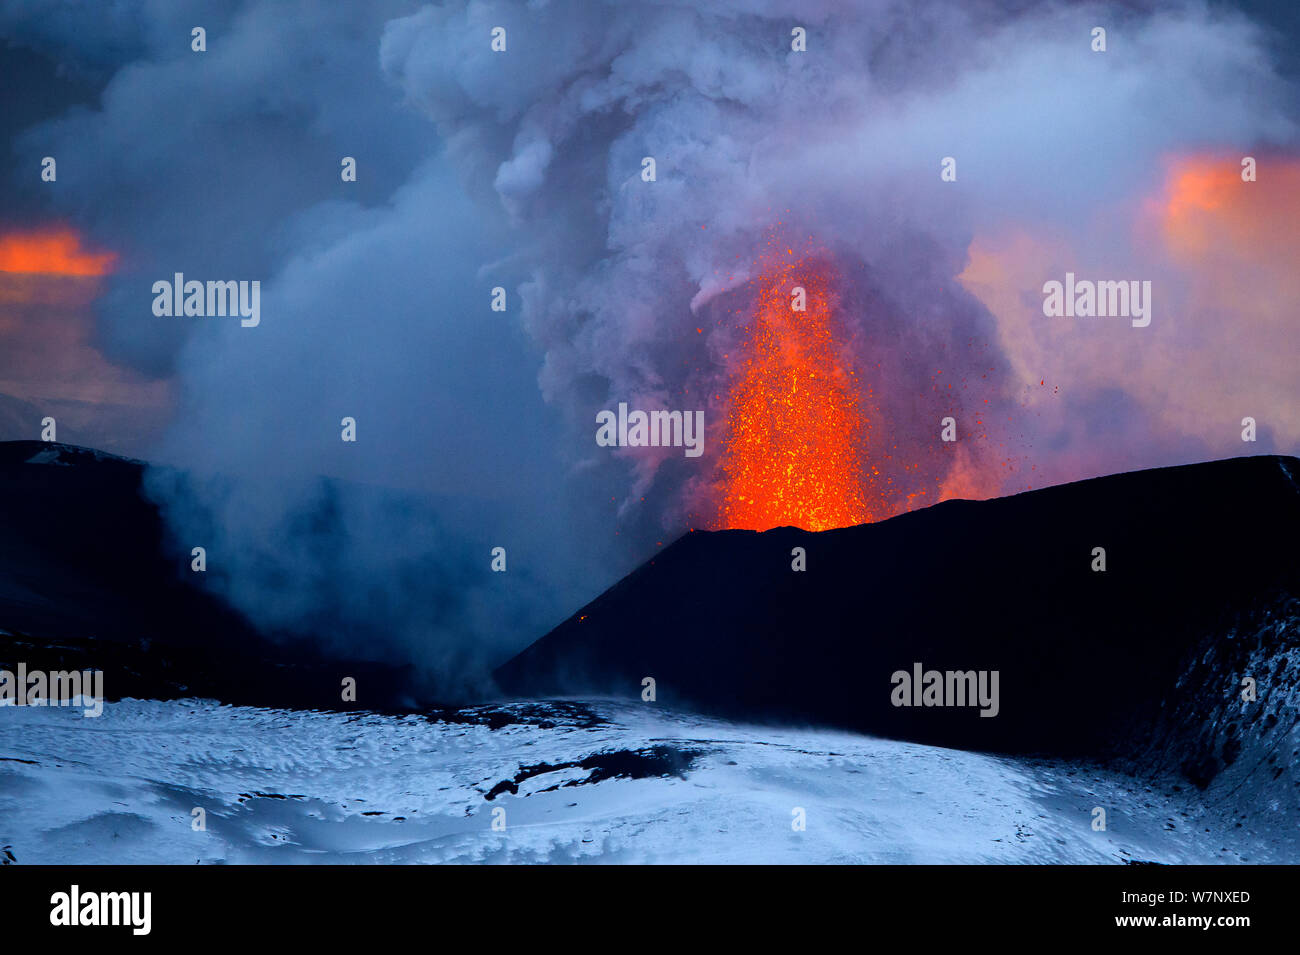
point(793, 451)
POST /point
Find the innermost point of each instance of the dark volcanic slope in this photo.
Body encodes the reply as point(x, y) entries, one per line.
point(88, 581)
point(1088, 661)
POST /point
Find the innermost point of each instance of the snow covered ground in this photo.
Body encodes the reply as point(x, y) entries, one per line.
point(593, 781)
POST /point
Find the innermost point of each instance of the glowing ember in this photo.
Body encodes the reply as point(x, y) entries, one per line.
point(792, 453)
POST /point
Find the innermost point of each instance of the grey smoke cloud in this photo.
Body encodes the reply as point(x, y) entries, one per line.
point(225, 165)
point(522, 170)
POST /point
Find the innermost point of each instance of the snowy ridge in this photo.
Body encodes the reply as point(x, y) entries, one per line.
point(1244, 754)
point(282, 786)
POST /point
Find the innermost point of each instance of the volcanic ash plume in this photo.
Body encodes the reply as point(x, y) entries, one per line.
point(647, 153)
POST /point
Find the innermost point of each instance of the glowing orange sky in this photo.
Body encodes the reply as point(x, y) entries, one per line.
point(51, 251)
point(1223, 344)
point(1205, 206)
point(49, 281)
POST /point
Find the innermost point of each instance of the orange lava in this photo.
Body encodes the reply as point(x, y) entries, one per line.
point(795, 431)
point(53, 251)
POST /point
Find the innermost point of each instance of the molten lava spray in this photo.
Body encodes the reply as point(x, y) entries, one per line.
point(793, 448)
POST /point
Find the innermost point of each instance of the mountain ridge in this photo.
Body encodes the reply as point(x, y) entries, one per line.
point(722, 623)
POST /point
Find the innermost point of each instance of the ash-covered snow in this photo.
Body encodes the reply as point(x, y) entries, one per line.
point(593, 781)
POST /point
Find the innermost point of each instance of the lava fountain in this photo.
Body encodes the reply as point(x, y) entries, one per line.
point(794, 441)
